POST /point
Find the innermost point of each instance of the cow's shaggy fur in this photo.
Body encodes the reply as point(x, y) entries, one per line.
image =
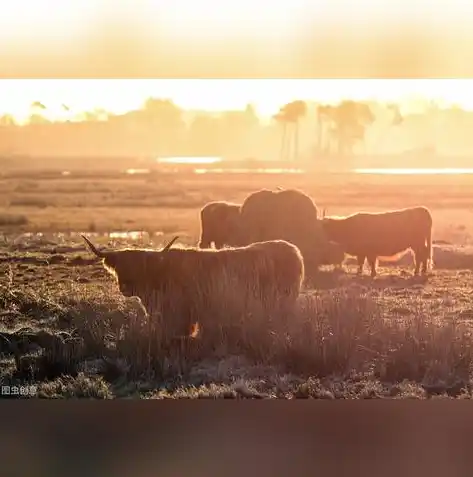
point(384, 234)
point(184, 284)
point(218, 224)
point(290, 215)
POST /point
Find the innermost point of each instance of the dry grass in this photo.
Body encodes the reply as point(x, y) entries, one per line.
point(66, 328)
point(71, 333)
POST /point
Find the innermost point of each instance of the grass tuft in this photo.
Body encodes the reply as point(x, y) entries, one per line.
point(86, 340)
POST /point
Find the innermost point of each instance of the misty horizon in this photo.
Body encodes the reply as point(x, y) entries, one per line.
point(68, 99)
point(161, 128)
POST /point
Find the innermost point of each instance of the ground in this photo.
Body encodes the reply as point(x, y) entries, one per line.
point(66, 330)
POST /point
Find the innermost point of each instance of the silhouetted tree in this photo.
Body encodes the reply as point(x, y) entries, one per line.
point(252, 119)
point(204, 136)
point(36, 113)
point(7, 120)
point(325, 130)
point(280, 118)
point(38, 119)
point(347, 123)
point(96, 115)
point(289, 116)
point(235, 128)
point(165, 119)
point(38, 105)
point(396, 116)
point(295, 111)
point(67, 110)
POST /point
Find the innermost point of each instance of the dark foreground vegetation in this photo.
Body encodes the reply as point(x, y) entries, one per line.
point(68, 331)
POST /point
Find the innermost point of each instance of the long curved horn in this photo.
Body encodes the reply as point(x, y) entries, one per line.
point(92, 247)
point(169, 244)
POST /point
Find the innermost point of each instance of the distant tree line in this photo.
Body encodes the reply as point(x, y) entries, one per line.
point(298, 130)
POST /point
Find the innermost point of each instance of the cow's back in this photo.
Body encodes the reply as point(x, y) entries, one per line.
point(384, 233)
point(257, 216)
point(289, 215)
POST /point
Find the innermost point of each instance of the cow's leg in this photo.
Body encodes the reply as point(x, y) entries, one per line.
point(425, 259)
point(424, 263)
point(417, 261)
point(420, 259)
point(372, 263)
point(361, 261)
point(205, 242)
point(421, 256)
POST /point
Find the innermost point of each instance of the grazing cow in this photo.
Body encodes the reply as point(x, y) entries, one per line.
point(257, 217)
point(218, 222)
point(384, 234)
point(290, 215)
point(333, 254)
point(188, 281)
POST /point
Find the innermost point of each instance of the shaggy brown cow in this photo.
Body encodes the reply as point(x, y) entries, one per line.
point(188, 281)
point(257, 217)
point(218, 222)
point(289, 215)
point(384, 234)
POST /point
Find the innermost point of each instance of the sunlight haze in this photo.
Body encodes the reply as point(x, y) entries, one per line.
point(117, 96)
point(207, 38)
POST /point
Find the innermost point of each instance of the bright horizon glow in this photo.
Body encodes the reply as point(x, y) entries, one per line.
point(189, 160)
point(267, 95)
point(414, 170)
point(251, 171)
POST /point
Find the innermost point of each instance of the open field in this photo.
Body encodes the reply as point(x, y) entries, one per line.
point(67, 330)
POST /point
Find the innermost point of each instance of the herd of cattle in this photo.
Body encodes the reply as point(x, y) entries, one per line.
point(265, 247)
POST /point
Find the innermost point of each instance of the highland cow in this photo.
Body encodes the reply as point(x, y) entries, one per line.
point(384, 234)
point(218, 224)
point(188, 281)
point(289, 215)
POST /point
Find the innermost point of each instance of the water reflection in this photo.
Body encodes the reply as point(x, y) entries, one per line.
point(248, 171)
point(210, 160)
point(132, 235)
point(137, 171)
point(408, 171)
point(190, 160)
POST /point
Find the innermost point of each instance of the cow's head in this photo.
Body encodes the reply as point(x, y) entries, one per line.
point(130, 267)
point(335, 228)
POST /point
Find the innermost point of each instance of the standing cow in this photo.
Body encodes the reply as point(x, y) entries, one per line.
point(290, 215)
point(218, 224)
point(384, 234)
point(184, 283)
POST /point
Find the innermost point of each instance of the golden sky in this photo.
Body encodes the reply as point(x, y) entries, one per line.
point(267, 95)
point(235, 38)
point(229, 38)
point(200, 18)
